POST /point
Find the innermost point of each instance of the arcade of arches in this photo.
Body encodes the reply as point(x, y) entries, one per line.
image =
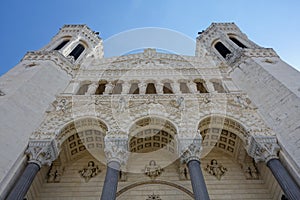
point(153, 169)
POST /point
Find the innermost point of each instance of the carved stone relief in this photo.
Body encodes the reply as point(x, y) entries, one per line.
point(153, 170)
point(184, 172)
point(90, 171)
point(153, 197)
point(216, 169)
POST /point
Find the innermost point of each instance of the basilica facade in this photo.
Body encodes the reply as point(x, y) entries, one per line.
point(223, 124)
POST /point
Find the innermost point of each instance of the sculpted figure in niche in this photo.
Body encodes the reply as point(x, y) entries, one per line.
point(215, 169)
point(152, 170)
point(184, 173)
point(122, 104)
point(90, 171)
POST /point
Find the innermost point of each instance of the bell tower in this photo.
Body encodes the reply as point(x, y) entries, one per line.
point(271, 83)
point(43, 74)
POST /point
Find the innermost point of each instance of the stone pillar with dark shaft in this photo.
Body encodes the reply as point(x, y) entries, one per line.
point(286, 182)
point(23, 184)
point(40, 153)
point(265, 148)
point(116, 155)
point(190, 149)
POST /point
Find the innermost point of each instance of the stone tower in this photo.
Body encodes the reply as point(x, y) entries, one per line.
point(223, 124)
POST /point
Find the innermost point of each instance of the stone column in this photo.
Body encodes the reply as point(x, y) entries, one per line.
point(265, 148)
point(125, 88)
point(192, 87)
point(159, 88)
point(116, 155)
point(92, 88)
point(190, 150)
point(108, 88)
point(176, 88)
point(210, 87)
point(40, 153)
point(142, 87)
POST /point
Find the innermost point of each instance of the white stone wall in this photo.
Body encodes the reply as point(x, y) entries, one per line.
point(273, 89)
point(28, 94)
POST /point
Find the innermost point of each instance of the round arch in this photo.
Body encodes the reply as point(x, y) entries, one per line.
point(79, 135)
point(151, 139)
point(155, 182)
point(77, 125)
point(222, 132)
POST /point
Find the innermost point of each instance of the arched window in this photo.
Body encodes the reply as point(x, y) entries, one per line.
point(167, 89)
point(237, 42)
point(101, 88)
point(83, 89)
point(77, 51)
point(150, 88)
point(134, 89)
point(117, 89)
point(218, 87)
point(61, 45)
point(222, 49)
point(200, 86)
point(184, 88)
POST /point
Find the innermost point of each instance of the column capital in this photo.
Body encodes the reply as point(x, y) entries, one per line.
point(42, 152)
point(263, 148)
point(190, 148)
point(116, 148)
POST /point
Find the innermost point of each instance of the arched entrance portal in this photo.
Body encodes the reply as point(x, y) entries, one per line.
point(152, 141)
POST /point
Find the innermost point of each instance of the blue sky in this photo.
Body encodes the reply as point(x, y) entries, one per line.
point(29, 25)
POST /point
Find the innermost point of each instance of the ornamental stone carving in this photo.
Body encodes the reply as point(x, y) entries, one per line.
point(153, 170)
point(42, 152)
point(216, 169)
point(190, 148)
point(116, 148)
point(90, 171)
point(263, 148)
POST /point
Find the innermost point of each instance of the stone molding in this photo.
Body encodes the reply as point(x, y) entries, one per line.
point(240, 55)
point(66, 64)
point(190, 148)
point(116, 148)
point(263, 148)
point(42, 152)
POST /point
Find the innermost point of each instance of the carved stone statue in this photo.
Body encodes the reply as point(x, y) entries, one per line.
point(193, 88)
point(184, 173)
point(215, 169)
point(90, 171)
point(152, 170)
